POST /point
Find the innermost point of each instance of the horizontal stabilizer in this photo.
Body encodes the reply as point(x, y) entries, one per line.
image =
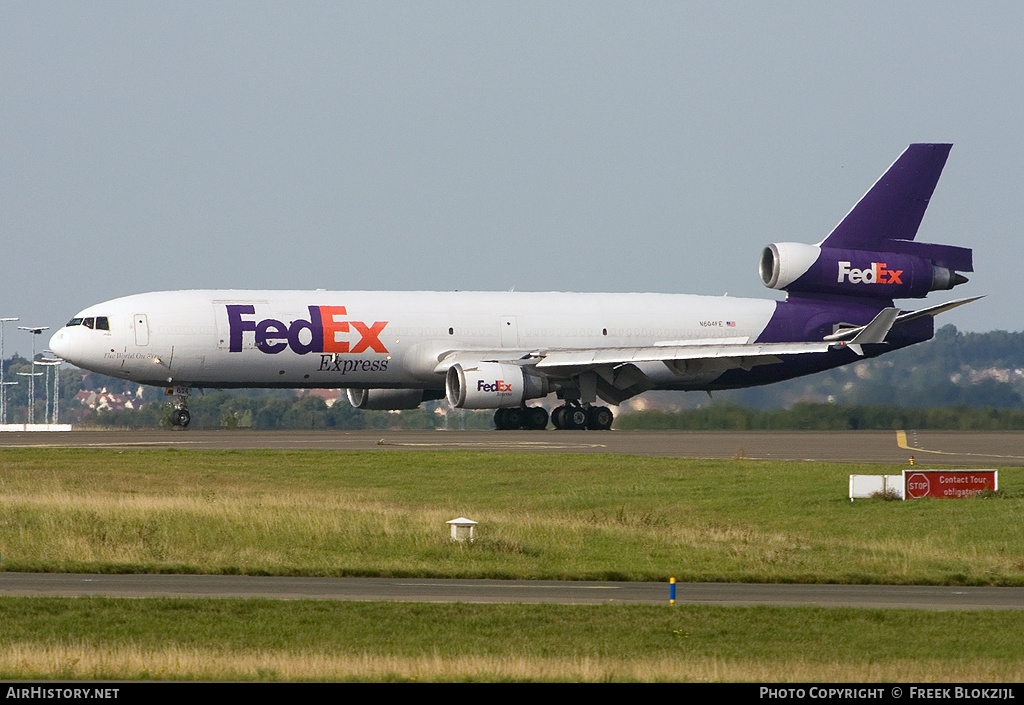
point(854, 333)
point(934, 310)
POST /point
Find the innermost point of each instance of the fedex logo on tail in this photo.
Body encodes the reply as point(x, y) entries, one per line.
point(326, 331)
point(875, 274)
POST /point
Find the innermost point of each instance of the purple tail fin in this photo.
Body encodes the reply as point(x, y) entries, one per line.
point(888, 216)
point(872, 253)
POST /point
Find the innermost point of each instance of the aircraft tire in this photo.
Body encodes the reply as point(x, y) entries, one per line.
point(500, 420)
point(558, 417)
point(599, 418)
point(536, 418)
point(180, 417)
point(509, 418)
point(575, 418)
point(515, 417)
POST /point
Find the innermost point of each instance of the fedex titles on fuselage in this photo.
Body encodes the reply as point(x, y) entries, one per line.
point(325, 328)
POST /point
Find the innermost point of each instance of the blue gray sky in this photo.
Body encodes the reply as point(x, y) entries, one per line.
point(585, 146)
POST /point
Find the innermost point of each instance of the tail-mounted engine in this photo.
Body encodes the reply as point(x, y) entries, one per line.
point(812, 269)
point(492, 385)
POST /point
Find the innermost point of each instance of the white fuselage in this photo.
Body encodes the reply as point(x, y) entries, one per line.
point(361, 339)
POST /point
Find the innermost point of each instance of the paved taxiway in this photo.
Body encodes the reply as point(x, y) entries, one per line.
point(508, 591)
point(973, 449)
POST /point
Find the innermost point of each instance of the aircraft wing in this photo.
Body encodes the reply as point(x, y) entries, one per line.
point(725, 355)
point(685, 358)
point(616, 374)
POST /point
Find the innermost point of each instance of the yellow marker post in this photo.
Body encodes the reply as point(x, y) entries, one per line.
point(671, 591)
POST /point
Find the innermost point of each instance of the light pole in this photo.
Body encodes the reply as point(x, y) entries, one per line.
point(55, 366)
point(3, 385)
point(30, 416)
point(32, 377)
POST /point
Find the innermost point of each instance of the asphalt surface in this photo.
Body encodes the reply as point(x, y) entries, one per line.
point(971, 449)
point(509, 591)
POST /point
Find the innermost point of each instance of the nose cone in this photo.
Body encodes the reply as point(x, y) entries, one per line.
point(60, 344)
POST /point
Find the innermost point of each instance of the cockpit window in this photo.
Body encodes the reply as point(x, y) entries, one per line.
point(94, 322)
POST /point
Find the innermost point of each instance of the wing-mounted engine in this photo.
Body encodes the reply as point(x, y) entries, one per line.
point(385, 399)
point(492, 385)
point(813, 269)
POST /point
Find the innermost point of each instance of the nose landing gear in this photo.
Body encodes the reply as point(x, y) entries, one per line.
point(180, 417)
point(179, 413)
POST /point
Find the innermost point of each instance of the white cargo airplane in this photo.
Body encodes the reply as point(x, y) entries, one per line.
point(488, 350)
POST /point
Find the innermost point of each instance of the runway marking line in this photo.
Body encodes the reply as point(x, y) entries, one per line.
point(491, 444)
point(901, 441)
point(519, 587)
point(112, 444)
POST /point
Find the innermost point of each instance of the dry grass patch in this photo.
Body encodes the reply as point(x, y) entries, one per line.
point(131, 662)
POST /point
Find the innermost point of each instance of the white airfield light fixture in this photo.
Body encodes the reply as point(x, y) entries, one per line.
point(463, 529)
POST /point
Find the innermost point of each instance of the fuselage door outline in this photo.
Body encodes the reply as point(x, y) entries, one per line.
point(141, 324)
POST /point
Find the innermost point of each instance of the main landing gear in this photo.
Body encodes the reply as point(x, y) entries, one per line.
point(566, 417)
point(577, 417)
point(533, 418)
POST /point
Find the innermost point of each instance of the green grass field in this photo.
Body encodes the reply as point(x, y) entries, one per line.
point(541, 516)
point(123, 639)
